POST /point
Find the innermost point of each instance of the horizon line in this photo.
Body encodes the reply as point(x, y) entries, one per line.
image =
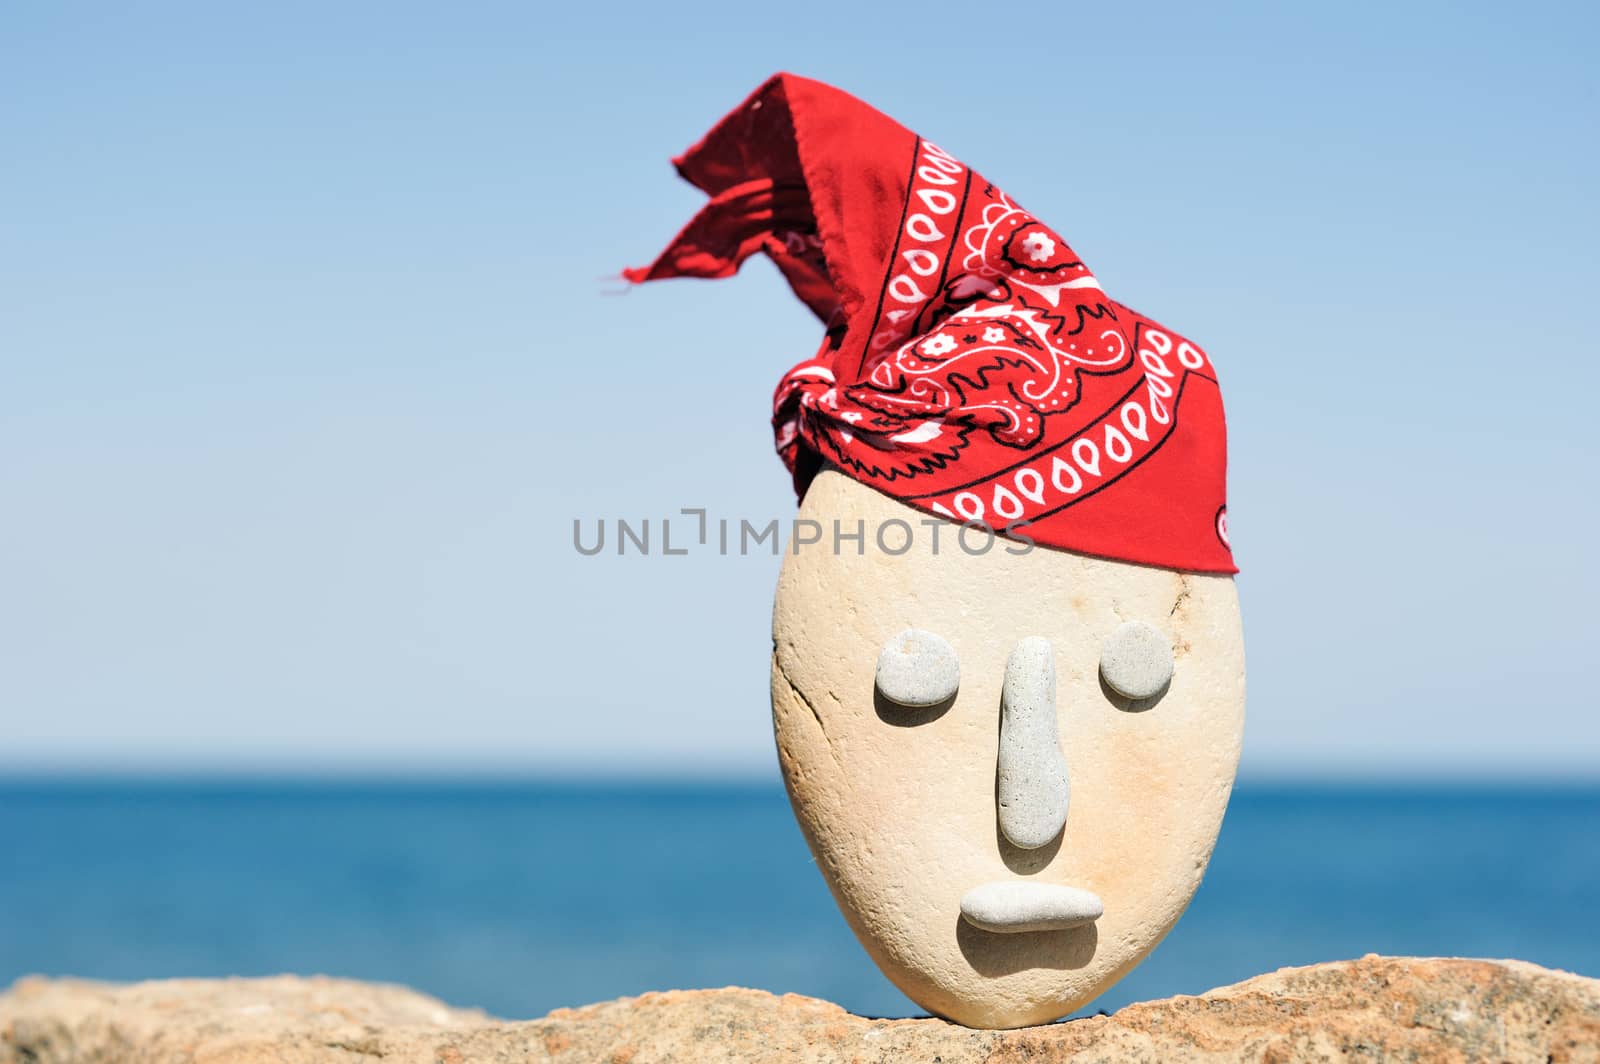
point(1392, 777)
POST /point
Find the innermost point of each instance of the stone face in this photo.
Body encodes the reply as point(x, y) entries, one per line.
point(1376, 1009)
point(900, 806)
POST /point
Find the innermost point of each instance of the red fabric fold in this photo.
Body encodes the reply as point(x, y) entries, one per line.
point(971, 366)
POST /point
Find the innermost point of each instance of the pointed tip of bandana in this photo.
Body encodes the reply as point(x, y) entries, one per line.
point(972, 367)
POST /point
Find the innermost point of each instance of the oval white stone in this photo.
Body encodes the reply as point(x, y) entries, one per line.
point(918, 669)
point(1011, 907)
point(1136, 660)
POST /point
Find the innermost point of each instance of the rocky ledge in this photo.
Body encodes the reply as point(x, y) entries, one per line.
point(1373, 1009)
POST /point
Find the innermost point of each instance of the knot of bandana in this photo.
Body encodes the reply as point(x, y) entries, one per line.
point(972, 366)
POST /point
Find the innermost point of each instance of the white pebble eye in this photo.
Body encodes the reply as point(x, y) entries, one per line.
point(918, 669)
point(1136, 660)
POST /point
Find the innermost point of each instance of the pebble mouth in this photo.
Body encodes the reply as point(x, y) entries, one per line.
point(1011, 907)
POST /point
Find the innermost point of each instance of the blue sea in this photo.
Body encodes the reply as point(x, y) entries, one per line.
point(521, 897)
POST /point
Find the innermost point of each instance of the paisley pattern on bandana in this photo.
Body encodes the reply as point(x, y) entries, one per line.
point(972, 366)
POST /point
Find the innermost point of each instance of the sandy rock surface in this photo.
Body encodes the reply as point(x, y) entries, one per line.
point(1374, 1009)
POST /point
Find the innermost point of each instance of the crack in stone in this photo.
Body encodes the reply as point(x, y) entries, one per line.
point(832, 750)
point(1184, 591)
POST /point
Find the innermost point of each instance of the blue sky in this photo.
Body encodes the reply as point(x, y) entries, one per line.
point(303, 311)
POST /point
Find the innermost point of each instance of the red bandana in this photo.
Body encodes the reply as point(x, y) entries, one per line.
point(972, 367)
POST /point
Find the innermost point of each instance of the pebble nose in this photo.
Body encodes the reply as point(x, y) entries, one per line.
point(1032, 785)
